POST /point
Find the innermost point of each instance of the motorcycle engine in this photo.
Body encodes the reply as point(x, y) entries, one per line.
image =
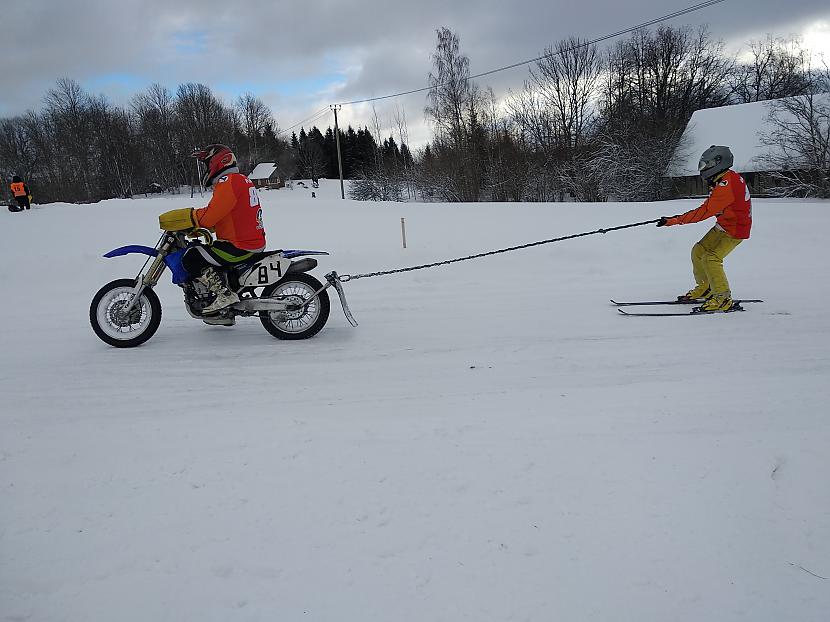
point(197, 296)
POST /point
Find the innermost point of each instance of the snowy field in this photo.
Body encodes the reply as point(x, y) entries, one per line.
point(493, 442)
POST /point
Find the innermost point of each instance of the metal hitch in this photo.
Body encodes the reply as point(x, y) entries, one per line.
point(334, 281)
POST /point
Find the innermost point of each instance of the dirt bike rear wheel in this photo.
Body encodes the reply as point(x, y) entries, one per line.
point(300, 324)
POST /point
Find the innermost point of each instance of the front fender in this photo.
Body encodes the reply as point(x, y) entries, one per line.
point(133, 248)
point(172, 260)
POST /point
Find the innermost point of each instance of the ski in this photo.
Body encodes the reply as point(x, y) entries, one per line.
point(629, 314)
point(668, 302)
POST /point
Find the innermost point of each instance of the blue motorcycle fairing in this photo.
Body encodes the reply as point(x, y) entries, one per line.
point(173, 260)
point(290, 254)
point(132, 248)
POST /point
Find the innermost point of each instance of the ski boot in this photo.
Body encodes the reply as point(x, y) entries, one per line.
point(719, 303)
point(698, 293)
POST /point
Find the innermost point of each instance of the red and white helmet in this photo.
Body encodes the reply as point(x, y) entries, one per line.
point(217, 159)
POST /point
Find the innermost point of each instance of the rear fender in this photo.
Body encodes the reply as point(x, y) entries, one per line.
point(302, 265)
point(291, 254)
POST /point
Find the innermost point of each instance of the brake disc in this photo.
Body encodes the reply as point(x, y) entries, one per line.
point(292, 314)
point(122, 320)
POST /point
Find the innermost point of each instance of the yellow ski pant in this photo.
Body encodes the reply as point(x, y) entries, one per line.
point(707, 260)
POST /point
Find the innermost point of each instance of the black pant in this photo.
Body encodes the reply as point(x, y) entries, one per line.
point(23, 202)
point(219, 254)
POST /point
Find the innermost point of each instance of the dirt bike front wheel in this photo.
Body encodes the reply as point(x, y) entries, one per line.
point(308, 320)
point(119, 328)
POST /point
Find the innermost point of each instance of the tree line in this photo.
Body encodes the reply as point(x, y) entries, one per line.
point(82, 148)
point(588, 124)
point(593, 124)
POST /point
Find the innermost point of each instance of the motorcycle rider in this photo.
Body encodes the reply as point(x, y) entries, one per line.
point(730, 202)
point(234, 214)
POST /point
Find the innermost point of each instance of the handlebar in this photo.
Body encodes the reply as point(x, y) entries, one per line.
point(202, 234)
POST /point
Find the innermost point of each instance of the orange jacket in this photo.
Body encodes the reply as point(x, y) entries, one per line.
point(729, 200)
point(19, 189)
point(234, 212)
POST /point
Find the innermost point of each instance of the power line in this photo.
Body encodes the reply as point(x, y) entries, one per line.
point(651, 22)
point(311, 118)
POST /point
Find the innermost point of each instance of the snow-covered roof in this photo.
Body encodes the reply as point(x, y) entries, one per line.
point(263, 170)
point(739, 127)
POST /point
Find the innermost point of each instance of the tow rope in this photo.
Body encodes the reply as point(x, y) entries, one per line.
point(344, 278)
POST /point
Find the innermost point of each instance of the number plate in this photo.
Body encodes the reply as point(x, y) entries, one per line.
point(265, 272)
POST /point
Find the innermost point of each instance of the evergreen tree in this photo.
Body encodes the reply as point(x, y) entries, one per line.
point(330, 155)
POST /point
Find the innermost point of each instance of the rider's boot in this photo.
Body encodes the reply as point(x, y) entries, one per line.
point(216, 284)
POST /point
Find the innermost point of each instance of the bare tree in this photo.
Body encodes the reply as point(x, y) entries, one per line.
point(18, 151)
point(399, 120)
point(454, 104)
point(657, 80)
point(254, 116)
point(84, 148)
point(653, 84)
point(377, 133)
point(799, 140)
point(155, 120)
point(202, 117)
point(633, 168)
point(451, 88)
point(555, 111)
point(566, 80)
point(69, 118)
point(775, 68)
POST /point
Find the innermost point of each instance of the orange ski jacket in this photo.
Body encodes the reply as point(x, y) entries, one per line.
point(19, 189)
point(729, 200)
point(234, 212)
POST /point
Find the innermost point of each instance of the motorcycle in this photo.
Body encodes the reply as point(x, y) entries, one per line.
point(274, 285)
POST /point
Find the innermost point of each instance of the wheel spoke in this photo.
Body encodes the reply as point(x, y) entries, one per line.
point(113, 319)
point(289, 322)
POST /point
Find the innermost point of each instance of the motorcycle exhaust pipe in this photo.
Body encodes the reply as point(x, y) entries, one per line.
point(265, 304)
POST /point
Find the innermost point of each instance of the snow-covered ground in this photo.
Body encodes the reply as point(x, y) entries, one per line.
point(493, 442)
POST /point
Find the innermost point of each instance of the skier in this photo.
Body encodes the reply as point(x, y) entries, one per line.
point(234, 213)
point(21, 193)
point(730, 202)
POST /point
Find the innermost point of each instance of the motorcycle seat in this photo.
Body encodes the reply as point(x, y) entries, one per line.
point(256, 257)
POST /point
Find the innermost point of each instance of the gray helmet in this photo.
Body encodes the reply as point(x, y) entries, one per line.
point(714, 161)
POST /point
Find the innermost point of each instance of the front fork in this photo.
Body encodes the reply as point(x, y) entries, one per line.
point(153, 273)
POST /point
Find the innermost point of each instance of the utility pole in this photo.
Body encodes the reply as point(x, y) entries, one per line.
point(335, 108)
point(198, 175)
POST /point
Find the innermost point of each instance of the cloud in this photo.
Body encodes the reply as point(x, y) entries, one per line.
point(301, 56)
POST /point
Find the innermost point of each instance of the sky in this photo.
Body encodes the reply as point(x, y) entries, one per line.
point(300, 57)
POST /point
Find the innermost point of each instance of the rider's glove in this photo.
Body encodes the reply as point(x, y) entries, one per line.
point(178, 220)
point(663, 221)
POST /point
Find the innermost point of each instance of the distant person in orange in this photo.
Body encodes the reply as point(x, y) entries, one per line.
point(21, 193)
point(730, 202)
